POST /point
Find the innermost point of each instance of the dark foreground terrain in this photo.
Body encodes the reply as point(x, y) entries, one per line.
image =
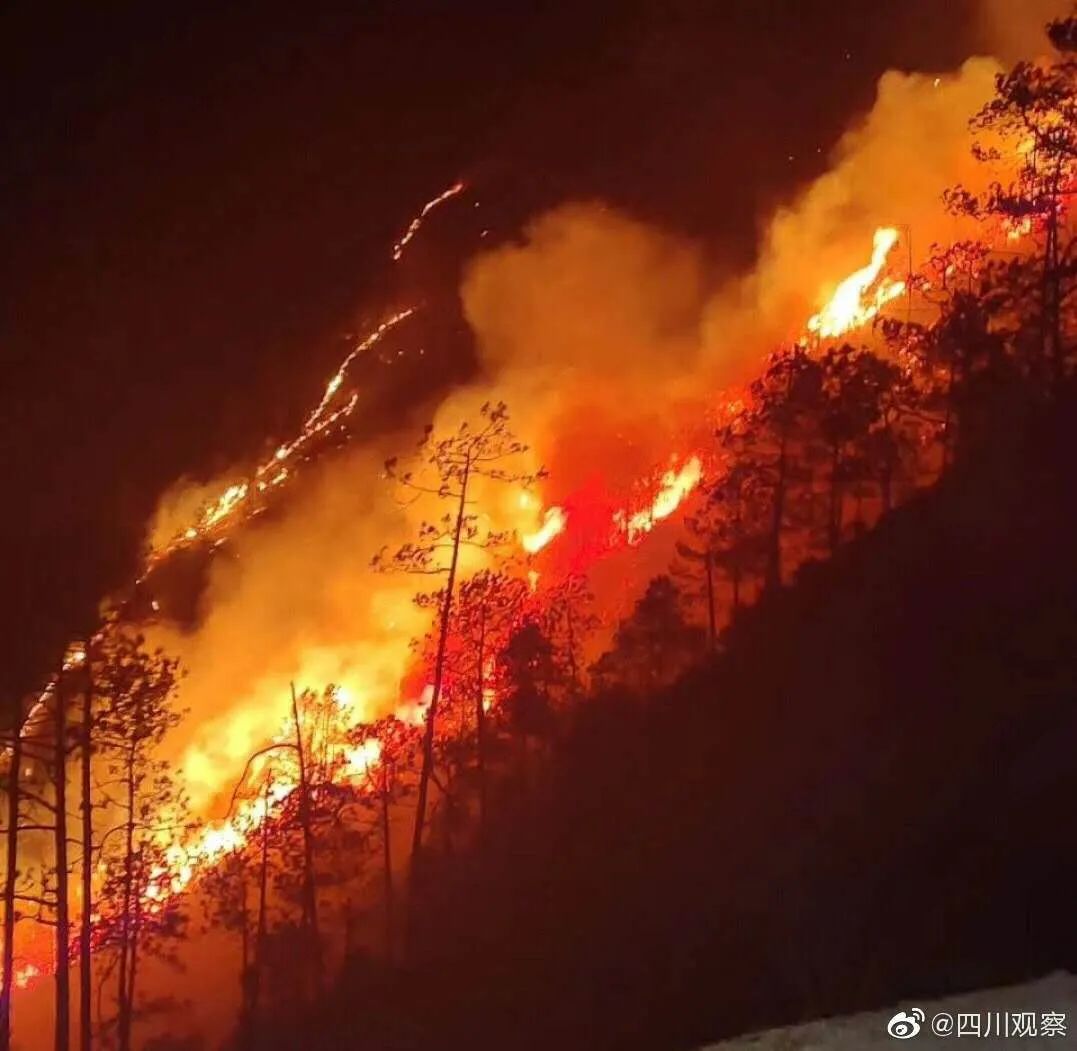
point(866, 796)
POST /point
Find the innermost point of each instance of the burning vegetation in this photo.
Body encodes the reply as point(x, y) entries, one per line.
point(399, 639)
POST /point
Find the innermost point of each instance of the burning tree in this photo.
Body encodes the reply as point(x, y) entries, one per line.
point(316, 820)
point(140, 914)
point(956, 368)
point(455, 465)
point(489, 606)
point(41, 743)
point(300, 793)
point(25, 753)
point(1034, 115)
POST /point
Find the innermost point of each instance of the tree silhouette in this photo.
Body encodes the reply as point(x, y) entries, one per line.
point(455, 463)
point(567, 618)
point(489, 606)
point(653, 645)
point(856, 389)
point(396, 746)
point(1031, 124)
point(725, 539)
point(226, 896)
point(136, 711)
point(768, 438)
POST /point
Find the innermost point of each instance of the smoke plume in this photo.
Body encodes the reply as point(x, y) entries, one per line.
point(601, 334)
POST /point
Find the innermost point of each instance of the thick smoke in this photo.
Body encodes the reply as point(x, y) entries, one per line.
point(1012, 30)
point(589, 328)
point(601, 334)
point(887, 170)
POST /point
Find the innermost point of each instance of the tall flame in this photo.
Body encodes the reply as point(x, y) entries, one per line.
point(673, 488)
point(862, 294)
point(856, 301)
point(553, 523)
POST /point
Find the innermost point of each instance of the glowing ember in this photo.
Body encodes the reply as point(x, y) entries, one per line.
point(273, 473)
point(862, 294)
point(25, 974)
point(1018, 228)
point(413, 227)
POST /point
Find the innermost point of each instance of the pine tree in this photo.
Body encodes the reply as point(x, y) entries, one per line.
point(456, 464)
point(1030, 126)
point(136, 691)
point(651, 646)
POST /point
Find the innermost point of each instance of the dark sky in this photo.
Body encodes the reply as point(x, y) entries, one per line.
point(194, 206)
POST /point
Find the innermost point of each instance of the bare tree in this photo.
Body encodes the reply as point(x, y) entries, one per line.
point(136, 692)
point(453, 464)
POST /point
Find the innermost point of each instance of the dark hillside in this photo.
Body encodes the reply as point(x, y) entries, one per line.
point(867, 796)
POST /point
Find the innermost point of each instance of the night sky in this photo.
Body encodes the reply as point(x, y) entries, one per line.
point(196, 209)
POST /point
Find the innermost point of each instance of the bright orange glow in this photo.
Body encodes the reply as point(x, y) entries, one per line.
point(273, 473)
point(25, 974)
point(553, 523)
point(862, 294)
point(856, 300)
point(673, 488)
point(1018, 228)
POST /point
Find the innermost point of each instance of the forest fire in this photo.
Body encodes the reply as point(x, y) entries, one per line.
point(856, 302)
point(408, 637)
point(554, 521)
point(673, 487)
point(860, 297)
point(417, 222)
point(236, 498)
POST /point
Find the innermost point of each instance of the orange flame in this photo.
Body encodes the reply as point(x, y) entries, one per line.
point(674, 487)
point(854, 303)
point(553, 523)
point(273, 472)
point(413, 227)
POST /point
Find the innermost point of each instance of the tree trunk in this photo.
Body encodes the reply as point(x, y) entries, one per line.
point(10, 875)
point(833, 532)
point(774, 560)
point(1050, 315)
point(245, 1036)
point(480, 722)
point(570, 639)
point(132, 972)
point(260, 937)
point(712, 615)
point(123, 1005)
point(387, 864)
point(948, 417)
point(310, 898)
point(85, 929)
point(63, 922)
point(439, 668)
point(737, 549)
point(886, 482)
